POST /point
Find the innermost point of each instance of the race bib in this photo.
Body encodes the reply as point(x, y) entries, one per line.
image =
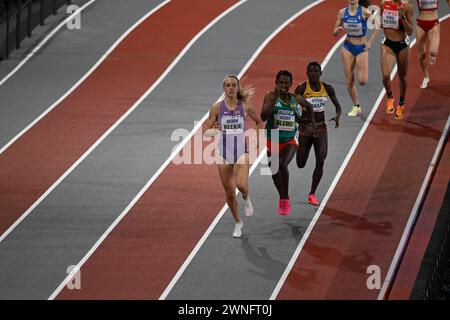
point(318, 103)
point(353, 29)
point(232, 124)
point(428, 4)
point(390, 19)
point(284, 121)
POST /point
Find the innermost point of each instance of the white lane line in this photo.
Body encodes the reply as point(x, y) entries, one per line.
point(44, 41)
point(395, 263)
point(414, 214)
point(255, 164)
point(164, 165)
point(82, 79)
point(328, 194)
point(68, 171)
point(333, 185)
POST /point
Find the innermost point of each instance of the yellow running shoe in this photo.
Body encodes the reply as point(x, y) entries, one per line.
point(389, 106)
point(400, 112)
point(355, 111)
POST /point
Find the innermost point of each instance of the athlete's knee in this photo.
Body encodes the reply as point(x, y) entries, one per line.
point(403, 79)
point(350, 82)
point(230, 194)
point(362, 79)
point(320, 163)
point(386, 78)
point(283, 168)
point(301, 163)
point(242, 186)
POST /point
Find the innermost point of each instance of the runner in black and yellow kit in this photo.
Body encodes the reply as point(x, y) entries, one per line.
point(279, 109)
point(316, 93)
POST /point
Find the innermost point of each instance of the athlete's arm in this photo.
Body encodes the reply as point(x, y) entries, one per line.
point(372, 17)
point(301, 88)
point(248, 108)
point(406, 14)
point(211, 121)
point(268, 105)
point(337, 26)
point(332, 94)
point(305, 104)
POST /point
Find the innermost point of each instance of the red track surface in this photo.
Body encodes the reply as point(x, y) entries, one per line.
point(365, 217)
point(142, 254)
point(410, 266)
point(35, 161)
point(409, 269)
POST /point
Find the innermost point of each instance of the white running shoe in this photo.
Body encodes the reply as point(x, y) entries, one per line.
point(356, 111)
point(425, 83)
point(248, 206)
point(238, 230)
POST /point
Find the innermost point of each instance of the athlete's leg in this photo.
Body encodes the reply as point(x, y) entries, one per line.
point(387, 63)
point(286, 157)
point(402, 63)
point(304, 146)
point(349, 67)
point(421, 38)
point(320, 149)
point(362, 67)
point(241, 169)
point(227, 178)
point(434, 39)
point(276, 176)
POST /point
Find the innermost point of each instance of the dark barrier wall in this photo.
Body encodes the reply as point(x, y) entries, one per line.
point(433, 280)
point(19, 17)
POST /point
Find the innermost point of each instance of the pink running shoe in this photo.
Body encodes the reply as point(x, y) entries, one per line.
point(281, 207)
point(313, 200)
point(284, 207)
point(287, 206)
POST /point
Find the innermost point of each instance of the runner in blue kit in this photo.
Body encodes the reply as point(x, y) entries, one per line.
point(229, 115)
point(353, 20)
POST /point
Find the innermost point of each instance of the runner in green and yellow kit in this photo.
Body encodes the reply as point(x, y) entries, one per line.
point(279, 110)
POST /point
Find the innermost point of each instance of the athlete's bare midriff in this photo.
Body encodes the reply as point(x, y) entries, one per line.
point(428, 15)
point(394, 35)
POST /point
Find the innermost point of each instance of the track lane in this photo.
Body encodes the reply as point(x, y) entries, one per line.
point(61, 63)
point(34, 162)
point(71, 219)
point(360, 225)
point(414, 255)
point(163, 227)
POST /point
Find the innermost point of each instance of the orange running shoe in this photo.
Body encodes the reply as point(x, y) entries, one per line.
point(313, 200)
point(389, 106)
point(400, 112)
